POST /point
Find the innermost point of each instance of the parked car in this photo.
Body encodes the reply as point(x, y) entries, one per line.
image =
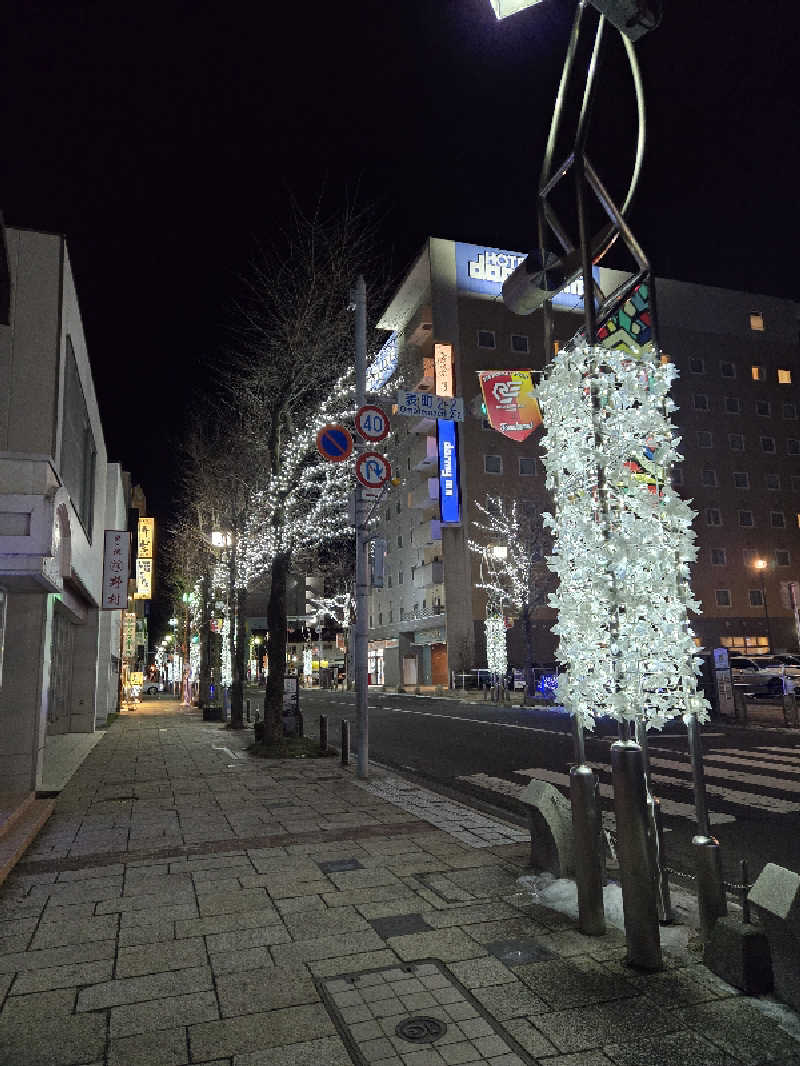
point(757, 675)
point(151, 688)
point(782, 660)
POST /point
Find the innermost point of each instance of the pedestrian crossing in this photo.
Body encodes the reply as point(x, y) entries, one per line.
point(772, 774)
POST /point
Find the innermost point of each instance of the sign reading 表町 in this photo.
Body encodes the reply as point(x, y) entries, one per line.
point(424, 405)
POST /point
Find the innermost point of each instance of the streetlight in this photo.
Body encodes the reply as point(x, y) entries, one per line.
point(761, 566)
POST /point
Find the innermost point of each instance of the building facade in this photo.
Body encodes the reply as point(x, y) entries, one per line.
point(738, 403)
point(58, 493)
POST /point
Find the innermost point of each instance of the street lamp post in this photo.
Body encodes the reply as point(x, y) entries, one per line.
point(761, 566)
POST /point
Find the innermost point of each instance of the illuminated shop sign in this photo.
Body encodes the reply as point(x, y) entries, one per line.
point(383, 365)
point(483, 270)
point(449, 482)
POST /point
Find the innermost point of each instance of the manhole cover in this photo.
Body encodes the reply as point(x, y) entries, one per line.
point(421, 1030)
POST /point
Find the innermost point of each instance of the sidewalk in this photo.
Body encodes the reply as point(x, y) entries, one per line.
point(187, 903)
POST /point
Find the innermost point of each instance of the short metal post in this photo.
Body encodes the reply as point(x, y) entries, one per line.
point(248, 712)
point(656, 831)
point(323, 732)
point(345, 742)
point(588, 835)
point(711, 900)
point(639, 894)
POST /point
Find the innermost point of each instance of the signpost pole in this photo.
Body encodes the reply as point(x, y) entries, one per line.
point(362, 578)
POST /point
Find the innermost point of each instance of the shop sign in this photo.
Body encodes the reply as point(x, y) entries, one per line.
point(425, 405)
point(483, 270)
point(116, 563)
point(144, 579)
point(431, 636)
point(443, 369)
point(128, 634)
point(146, 538)
point(511, 405)
point(449, 483)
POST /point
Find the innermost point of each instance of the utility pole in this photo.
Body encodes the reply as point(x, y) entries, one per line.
point(360, 674)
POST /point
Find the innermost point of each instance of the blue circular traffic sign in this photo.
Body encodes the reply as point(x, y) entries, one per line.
point(334, 443)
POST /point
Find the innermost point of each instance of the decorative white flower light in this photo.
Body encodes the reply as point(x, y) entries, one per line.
point(622, 538)
point(496, 646)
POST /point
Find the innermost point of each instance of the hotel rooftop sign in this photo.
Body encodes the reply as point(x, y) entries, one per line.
point(482, 271)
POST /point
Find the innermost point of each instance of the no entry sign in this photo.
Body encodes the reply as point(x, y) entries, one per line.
point(373, 470)
point(334, 443)
point(372, 423)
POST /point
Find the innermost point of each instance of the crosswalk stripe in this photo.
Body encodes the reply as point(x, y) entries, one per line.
point(754, 764)
point(784, 785)
point(768, 753)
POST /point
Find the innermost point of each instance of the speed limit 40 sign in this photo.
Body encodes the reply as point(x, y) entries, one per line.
point(372, 423)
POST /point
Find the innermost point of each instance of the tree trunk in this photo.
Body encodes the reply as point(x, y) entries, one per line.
point(204, 695)
point(276, 649)
point(237, 688)
point(530, 680)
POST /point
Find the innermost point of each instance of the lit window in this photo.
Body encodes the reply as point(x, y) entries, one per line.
point(749, 556)
point(527, 467)
point(700, 401)
point(736, 442)
point(713, 516)
point(741, 479)
point(798, 519)
point(727, 369)
point(768, 445)
point(733, 405)
point(709, 478)
point(697, 365)
point(486, 338)
point(772, 482)
point(782, 557)
point(519, 343)
point(784, 377)
point(493, 464)
point(723, 597)
point(758, 373)
point(777, 519)
point(763, 408)
point(746, 518)
point(757, 321)
point(793, 446)
point(719, 557)
point(704, 438)
point(756, 598)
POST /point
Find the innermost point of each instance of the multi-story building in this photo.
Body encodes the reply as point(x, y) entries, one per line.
point(739, 404)
point(59, 661)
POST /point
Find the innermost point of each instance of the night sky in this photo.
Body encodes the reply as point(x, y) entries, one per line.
point(166, 140)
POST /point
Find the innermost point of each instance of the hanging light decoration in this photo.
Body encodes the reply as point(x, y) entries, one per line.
point(622, 538)
point(496, 646)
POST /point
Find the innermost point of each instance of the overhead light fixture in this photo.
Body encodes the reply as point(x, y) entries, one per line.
point(504, 8)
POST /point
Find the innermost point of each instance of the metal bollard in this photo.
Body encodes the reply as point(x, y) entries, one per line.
point(664, 899)
point(656, 831)
point(588, 834)
point(639, 892)
point(345, 742)
point(711, 899)
point(248, 711)
point(323, 732)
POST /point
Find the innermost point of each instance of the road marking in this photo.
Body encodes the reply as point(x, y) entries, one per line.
point(781, 784)
point(217, 747)
point(788, 760)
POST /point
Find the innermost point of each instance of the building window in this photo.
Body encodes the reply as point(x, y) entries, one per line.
point(400, 540)
point(388, 514)
point(772, 482)
point(741, 479)
point(370, 622)
point(790, 411)
point(709, 478)
point(399, 577)
point(784, 377)
point(733, 405)
point(746, 518)
point(519, 343)
point(768, 445)
point(795, 482)
point(792, 446)
point(782, 557)
point(527, 466)
point(424, 605)
point(493, 464)
point(749, 556)
point(704, 438)
point(763, 408)
point(777, 519)
point(700, 401)
point(486, 338)
point(391, 612)
point(723, 597)
point(713, 516)
point(719, 557)
point(757, 321)
point(380, 618)
point(756, 598)
point(697, 365)
point(78, 451)
point(736, 442)
point(727, 369)
point(388, 580)
point(402, 613)
point(798, 519)
point(677, 476)
point(758, 373)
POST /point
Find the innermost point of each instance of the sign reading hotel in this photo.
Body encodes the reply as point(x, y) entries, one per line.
point(144, 579)
point(511, 406)
point(425, 405)
point(116, 565)
point(146, 538)
point(483, 270)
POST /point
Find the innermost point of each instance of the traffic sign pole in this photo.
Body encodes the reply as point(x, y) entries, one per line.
point(360, 665)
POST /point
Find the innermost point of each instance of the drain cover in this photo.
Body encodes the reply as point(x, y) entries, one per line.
point(421, 1030)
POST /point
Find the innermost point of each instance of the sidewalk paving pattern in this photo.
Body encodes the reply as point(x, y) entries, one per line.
point(189, 904)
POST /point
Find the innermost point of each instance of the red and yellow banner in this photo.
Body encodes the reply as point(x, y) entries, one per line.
point(511, 406)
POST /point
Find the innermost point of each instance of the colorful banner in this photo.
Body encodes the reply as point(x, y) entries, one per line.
point(511, 406)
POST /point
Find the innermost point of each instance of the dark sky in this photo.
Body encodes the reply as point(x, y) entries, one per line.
point(165, 139)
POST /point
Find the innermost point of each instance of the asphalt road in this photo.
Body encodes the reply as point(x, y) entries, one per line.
point(486, 755)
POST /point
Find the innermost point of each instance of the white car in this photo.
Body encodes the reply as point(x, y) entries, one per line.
point(150, 688)
point(763, 678)
point(790, 664)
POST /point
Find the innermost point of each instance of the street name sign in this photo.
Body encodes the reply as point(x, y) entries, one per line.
point(373, 470)
point(334, 443)
point(372, 423)
point(426, 405)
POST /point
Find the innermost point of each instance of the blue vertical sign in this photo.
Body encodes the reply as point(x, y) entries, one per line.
point(449, 482)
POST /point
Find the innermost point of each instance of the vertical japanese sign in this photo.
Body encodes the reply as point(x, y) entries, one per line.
point(146, 537)
point(144, 579)
point(129, 635)
point(443, 369)
point(449, 482)
point(511, 406)
point(116, 566)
